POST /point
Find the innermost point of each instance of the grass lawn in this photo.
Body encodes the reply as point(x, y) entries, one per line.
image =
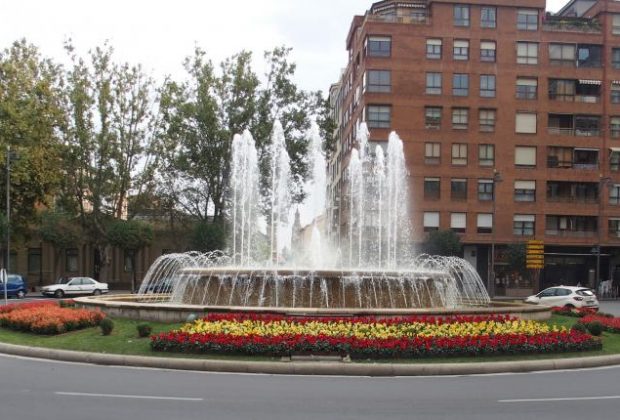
point(124, 340)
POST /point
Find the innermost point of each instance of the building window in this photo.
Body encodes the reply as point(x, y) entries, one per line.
point(488, 17)
point(379, 46)
point(431, 221)
point(460, 84)
point(527, 88)
point(485, 189)
point(379, 116)
point(615, 24)
point(614, 127)
point(432, 188)
point(523, 224)
point(432, 117)
point(525, 156)
point(615, 92)
point(614, 226)
point(34, 260)
point(432, 153)
point(525, 191)
point(589, 55)
point(614, 194)
point(128, 260)
point(525, 123)
point(487, 51)
point(458, 189)
point(527, 19)
point(527, 52)
point(486, 155)
point(614, 160)
point(615, 58)
point(71, 260)
point(460, 117)
point(379, 81)
point(458, 222)
point(459, 154)
point(562, 54)
point(485, 223)
point(461, 15)
point(562, 89)
point(433, 83)
point(433, 49)
point(487, 120)
point(461, 49)
point(487, 85)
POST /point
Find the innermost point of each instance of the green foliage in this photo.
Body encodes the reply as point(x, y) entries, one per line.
point(129, 234)
point(144, 330)
point(31, 118)
point(208, 236)
point(443, 242)
point(595, 328)
point(579, 327)
point(516, 258)
point(107, 326)
point(59, 229)
point(327, 126)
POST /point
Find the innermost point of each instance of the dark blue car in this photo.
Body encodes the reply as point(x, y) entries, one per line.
point(16, 286)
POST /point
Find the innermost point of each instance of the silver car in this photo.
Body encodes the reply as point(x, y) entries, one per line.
point(75, 286)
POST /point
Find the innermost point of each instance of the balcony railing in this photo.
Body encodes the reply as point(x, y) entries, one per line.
point(571, 233)
point(561, 131)
point(579, 132)
point(571, 199)
point(412, 20)
point(566, 24)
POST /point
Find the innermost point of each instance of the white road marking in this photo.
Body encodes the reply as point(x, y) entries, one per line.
point(136, 397)
point(600, 397)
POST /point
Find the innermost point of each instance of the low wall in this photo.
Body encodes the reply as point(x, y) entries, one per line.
point(156, 308)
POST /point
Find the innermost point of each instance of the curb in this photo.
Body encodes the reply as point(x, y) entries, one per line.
point(310, 367)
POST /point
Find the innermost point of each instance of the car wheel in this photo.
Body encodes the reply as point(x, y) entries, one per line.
point(21, 294)
point(59, 294)
point(569, 306)
point(96, 292)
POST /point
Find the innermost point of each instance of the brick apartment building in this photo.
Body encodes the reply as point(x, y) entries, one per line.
point(511, 122)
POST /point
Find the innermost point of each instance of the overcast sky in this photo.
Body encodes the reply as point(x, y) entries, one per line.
point(159, 34)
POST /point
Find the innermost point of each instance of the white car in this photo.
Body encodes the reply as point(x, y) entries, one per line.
point(565, 296)
point(75, 286)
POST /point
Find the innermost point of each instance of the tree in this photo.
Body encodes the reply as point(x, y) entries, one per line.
point(327, 126)
point(516, 258)
point(61, 231)
point(443, 242)
point(130, 236)
point(208, 236)
point(31, 117)
point(107, 140)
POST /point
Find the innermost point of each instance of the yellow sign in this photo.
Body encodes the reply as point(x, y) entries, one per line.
point(535, 254)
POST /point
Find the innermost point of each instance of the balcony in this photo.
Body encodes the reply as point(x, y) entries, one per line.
point(572, 158)
point(574, 125)
point(567, 90)
point(413, 19)
point(572, 192)
point(571, 24)
point(571, 226)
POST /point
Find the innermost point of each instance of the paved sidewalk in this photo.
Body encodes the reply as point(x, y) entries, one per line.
point(610, 306)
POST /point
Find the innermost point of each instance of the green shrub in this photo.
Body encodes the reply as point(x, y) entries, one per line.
point(595, 328)
point(106, 325)
point(579, 327)
point(144, 330)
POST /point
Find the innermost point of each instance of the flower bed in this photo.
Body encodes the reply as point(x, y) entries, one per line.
point(47, 318)
point(362, 337)
point(574, 312)
point(609, 324)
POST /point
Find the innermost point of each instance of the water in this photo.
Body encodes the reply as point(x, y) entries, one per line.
point(375, 268)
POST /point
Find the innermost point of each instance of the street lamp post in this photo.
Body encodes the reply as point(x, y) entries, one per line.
point(496, 179)
point(8, 219)
point(603, 181)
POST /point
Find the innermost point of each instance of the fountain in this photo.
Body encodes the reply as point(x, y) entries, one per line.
point(374, 271)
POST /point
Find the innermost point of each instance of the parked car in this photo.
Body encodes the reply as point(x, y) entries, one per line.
point(15, 286)
point(568, 296)
point(75, 286)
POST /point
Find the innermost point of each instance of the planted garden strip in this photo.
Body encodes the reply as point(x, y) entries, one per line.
point(369, 338)
point(48, 318)
point(609, 324)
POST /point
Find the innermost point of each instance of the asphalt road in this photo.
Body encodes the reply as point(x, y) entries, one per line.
point(34, 389)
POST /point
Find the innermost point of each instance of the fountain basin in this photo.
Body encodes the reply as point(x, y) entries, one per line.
point(158, 308)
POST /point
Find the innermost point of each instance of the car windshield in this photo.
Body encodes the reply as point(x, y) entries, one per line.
point(585, 292)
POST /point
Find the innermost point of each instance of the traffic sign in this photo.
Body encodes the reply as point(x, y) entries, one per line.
point(535, 254)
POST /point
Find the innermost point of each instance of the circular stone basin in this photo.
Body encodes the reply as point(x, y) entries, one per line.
point(158, 308)
point(329, 289)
